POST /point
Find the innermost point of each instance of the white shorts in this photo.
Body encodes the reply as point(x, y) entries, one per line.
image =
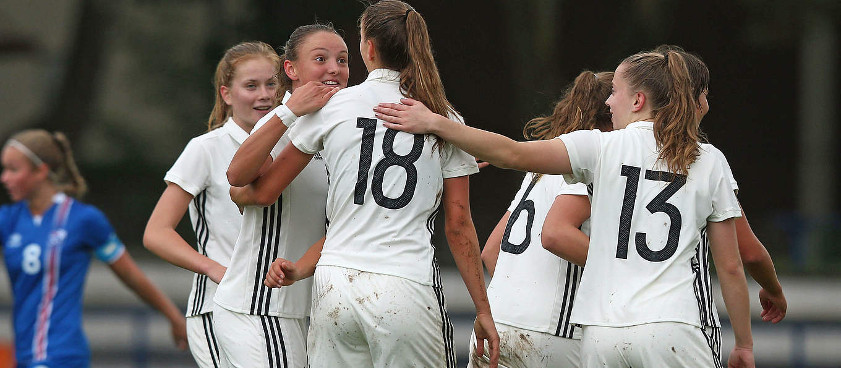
point(661, 344)
point(202, 340)
point(249, 341)
point(520, 348)
point(363, 319)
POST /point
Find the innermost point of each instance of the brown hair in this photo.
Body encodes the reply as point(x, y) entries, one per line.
point(54, 150)
point(225, 73)
point(698, 71)
point(665, 80)
point(290, 49)
point(582, 107)
point(402, 42)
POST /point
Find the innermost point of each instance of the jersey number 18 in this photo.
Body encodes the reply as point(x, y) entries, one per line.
point(407, 162)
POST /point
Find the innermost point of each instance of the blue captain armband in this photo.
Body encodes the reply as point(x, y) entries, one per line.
point(111, 250)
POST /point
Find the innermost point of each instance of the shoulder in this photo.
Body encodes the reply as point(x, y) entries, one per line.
point(88, 214)
point(10, 211)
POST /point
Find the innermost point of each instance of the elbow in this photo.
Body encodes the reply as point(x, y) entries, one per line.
point(730, 270)
point(263, 199)
point(149, 240)
point(234, 178)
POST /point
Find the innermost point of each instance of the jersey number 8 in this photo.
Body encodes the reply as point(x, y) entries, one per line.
point(369, 127)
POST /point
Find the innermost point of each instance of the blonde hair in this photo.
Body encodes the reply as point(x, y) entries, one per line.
point(665, 79)
point(54, 151)
point(225, 73)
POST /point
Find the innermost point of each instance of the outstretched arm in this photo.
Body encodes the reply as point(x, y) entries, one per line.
point(126, 269)
point(549, 156)
point(284, 272)
point(562, 233)
point(759, 265)
point(161, 238)
point(734, 288)
point(464, 245)
point(490, 253)
point(245, 166)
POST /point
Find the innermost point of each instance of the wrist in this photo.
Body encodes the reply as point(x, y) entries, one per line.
point(438, 125)
point(287, 114)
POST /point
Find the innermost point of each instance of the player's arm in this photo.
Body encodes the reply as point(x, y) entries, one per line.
point(284, 272)
point(562, 233)
point(759, 265)
point(734, 289)
point(464, 245)
point(267, 188)
point(161, 238)
point(490, 253)
point(547, 156)
point(127, 271)
point(255, 150)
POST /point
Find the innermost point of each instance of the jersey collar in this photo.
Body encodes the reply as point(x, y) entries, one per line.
point(235, 131)
point(384, 75)
point(642, 125)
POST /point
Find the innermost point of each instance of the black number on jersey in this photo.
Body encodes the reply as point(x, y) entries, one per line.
point(389, 159)
point(658, 204)
point(526, 205)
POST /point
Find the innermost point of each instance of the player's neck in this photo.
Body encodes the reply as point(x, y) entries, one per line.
point(42, 199)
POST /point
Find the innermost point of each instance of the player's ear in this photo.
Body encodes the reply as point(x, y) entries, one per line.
point(289, 69)
point(226, 94)
point(639, 101)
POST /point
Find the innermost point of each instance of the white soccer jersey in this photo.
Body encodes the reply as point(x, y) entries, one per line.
point(701, 261)
point(532, 288)
point(385, 185)
point(200, 171)
point(646, 224)
point(286, 229)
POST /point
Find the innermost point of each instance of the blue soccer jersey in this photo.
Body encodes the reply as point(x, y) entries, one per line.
point(47, 258)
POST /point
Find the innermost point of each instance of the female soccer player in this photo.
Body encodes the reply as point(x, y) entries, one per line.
point(532, 291)
point(48, 237)
point(377, 298)
point(267, 327)
point(246, 87)
point(651, 179)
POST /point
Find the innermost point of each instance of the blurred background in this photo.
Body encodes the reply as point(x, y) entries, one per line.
point(130, 82)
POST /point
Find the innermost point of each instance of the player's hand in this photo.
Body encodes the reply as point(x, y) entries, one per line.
point(485, 330)
point(482, 164)
point(216, 273)
point(310, 97)
point(741, 358)
point(408, 116)
point(179, 332)
point(773, 306)
point(281, 273)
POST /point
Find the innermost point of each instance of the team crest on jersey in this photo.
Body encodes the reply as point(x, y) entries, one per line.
point(317, 156)
point(14, 240)
point(57, 237)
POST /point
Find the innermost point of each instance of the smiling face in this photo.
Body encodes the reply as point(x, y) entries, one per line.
point(252, 91)
point(19, 176)
point(322, 57)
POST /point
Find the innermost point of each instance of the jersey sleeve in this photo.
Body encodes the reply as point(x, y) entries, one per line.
point(728, 173)
point(308, 133)
point(191, 171)
point(584, 150)
point(101, 237)
point(724, 202)
point(572, 189)
point(456, 162)
point(519, 196)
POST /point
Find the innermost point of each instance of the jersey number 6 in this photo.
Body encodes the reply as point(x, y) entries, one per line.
point(658, 204)
point(389, 159)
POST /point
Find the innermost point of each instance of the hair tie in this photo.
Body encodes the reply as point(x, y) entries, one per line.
point(37, 161)
point(666, 57)
point(406, 16)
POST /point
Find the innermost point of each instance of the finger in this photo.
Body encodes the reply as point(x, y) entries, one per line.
point(483, 164)
point(408, 101)
point(331, 92)
point(393, 106)
point(388, 119)
point(480, 346)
